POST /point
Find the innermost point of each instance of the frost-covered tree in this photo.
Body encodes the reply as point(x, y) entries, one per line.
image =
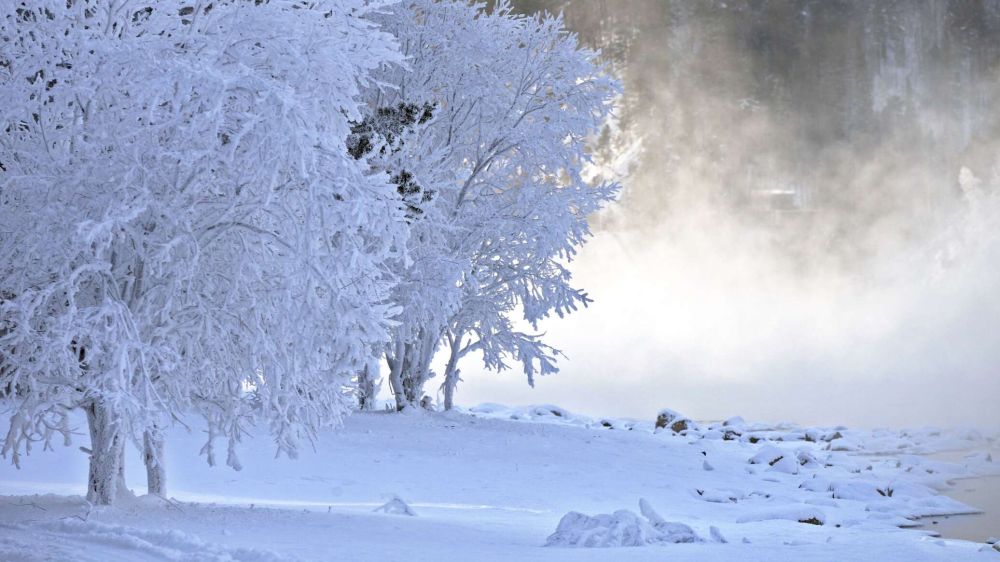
point(488, 161)
point(182, 225)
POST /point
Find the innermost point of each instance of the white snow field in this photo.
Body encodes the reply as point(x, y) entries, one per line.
point(494, 483)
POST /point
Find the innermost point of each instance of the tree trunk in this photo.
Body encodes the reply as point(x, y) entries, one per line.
point(417, 366)
point(152, 456)
point(367, 388)
point(451, 379)
point(451, 373)
point(106, 476)
point(410, 368)
point(410, 374)
point(395, 361)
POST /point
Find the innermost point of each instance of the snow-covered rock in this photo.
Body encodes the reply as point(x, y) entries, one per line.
point(768, 454)
point(548, 410)
point(800, 513)
point(734, 422)
point(806, 459)
point(728, 495)
point(619, 529)
point(786, 464)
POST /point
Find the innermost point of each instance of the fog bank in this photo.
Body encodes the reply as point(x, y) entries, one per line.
point(797, 238)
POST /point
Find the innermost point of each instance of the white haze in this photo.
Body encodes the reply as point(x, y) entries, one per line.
point(704, 319)
point(877, 306)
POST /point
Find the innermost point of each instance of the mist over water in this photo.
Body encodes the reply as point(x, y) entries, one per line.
point(809, 224)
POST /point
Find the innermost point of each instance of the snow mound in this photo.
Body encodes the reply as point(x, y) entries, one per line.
point(396, 506)
point(618, 529)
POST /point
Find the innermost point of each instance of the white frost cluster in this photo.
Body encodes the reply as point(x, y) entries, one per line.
point(238, 208)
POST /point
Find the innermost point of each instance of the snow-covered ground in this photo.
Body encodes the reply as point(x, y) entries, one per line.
point(493, 483)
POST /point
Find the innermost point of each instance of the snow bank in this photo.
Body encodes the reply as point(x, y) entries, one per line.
point(165, 544)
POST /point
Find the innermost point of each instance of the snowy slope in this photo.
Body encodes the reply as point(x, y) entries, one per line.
point(488, 487)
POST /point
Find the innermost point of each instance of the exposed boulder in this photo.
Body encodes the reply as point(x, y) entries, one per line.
point(673, 420)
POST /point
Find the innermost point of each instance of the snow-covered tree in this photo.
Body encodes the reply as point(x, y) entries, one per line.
point(489, 118)
point(182, 225)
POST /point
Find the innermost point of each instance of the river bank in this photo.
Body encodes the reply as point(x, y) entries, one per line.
point(980, 492)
